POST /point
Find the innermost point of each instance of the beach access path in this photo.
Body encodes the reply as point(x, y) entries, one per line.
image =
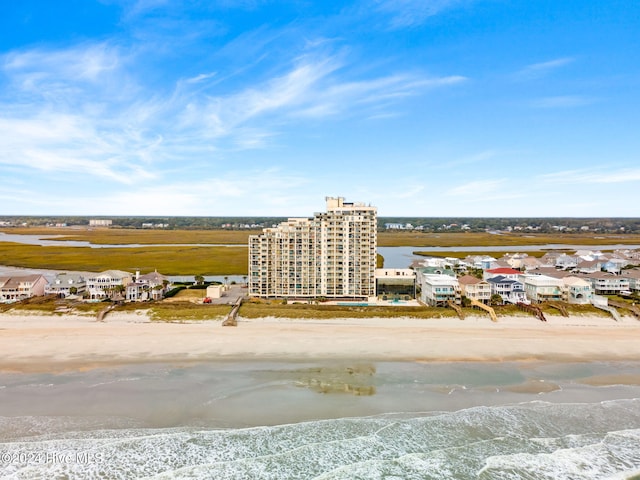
point(52, 343)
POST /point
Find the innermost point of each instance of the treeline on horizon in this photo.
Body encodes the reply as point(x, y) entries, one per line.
point(422, 224)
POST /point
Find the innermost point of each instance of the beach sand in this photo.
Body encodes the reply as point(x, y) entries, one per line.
point(32, 343)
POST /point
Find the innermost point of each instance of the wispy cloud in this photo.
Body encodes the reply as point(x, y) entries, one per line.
point(201, 77)
point(61, 75)
point(88, 109)
point(592, 176)
point(314, 87)
point(270, 190)
point(411, 13)
point(477, 187)
point(561, 101)
point(471, 159)
point(537, 70)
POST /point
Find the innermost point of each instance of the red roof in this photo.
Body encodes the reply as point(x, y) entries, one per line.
point(505, 271)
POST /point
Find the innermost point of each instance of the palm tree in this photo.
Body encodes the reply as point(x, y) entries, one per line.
point(496, 299)
point(199, 279)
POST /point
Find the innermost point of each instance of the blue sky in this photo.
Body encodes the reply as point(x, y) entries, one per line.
point(258, 107)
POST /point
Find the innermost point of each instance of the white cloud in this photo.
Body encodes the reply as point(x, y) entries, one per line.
point(313, 88)
point(60, 74)
point(471, 159)
point(536, 70)
point(411, 13)
point(201, 77)
point(255, 192)
point(85, 111)
point(561, 101)
point(623, 175)
point(52, 142)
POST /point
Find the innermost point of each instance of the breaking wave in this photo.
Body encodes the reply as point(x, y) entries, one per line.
point(535, 440)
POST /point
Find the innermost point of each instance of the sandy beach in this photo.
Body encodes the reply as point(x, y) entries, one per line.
point(49, 343)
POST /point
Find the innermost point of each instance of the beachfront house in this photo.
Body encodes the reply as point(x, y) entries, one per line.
point(66, 284)
point(438, 290)
point(576, 290)
point(541, 288)
point(475, 288)
point(511, 291)
point(604, 283)
point(108, 284)
point(20, 287)
point(633, 275)
point(151, 286)
point(395, 283)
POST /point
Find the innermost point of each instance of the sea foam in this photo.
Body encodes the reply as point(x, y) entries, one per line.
point(535, 440)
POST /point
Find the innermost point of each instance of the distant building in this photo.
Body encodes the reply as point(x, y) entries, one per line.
point(100, 222)
point(509, 273)
point(331, 255)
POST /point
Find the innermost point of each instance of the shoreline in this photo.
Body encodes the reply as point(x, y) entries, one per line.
point(44, 343)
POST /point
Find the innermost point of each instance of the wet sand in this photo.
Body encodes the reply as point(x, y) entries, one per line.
point(32, 343)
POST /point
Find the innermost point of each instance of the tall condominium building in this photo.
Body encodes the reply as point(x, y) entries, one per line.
point(331, 255)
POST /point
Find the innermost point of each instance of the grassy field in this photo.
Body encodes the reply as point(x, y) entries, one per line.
point(114, 236)
point(167, 260)
point(482, 239)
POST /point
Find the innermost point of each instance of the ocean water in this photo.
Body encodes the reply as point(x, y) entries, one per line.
point(324, 420)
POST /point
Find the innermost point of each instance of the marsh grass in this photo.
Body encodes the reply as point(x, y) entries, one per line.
point(169, 260)
point(117, 236)
point(482, 239)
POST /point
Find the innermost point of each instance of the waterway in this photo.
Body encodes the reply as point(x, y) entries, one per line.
point(49, 241)
point(394, 257)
